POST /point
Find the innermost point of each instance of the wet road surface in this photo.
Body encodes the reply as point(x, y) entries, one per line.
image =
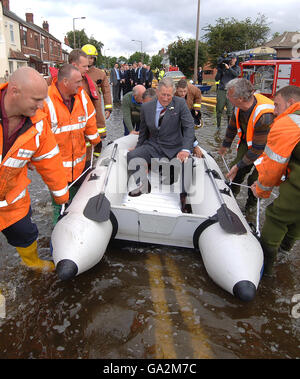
point(145, 301)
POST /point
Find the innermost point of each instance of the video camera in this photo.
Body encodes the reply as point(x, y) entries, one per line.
point(225, 59)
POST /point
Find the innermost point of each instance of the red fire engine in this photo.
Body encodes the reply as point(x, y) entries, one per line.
point(268, 76)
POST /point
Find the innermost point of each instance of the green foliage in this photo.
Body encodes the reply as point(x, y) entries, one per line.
point(233, 35)
point(111, 61)
point(156, 61)
point(139, 57)
point(122, 59)
point(182, 54)
point(82, 39)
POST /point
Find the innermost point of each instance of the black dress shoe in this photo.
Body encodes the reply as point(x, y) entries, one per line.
point(142, 189)
point(136, 192)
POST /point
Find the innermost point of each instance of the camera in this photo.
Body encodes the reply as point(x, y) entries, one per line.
point(225, 59)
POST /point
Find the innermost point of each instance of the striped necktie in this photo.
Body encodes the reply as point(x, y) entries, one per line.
point(161, 116)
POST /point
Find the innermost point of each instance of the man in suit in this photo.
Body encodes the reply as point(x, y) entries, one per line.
point(122, 79)
point(141, 74)
point(115, 82)
point(166, 130)
point(134, 75)
point(200, 75)
point(148, 77)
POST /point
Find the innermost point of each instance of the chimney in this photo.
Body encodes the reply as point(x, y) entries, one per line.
point(46, 26)
point(5, 4)
point(29, 17)
point(66, 41)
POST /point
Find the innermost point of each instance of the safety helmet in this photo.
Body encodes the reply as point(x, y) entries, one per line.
point(90, 50)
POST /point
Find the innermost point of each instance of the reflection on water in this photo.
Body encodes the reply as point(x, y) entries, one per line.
point(144, 301)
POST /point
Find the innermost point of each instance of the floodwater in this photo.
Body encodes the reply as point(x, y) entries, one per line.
point(145, 301)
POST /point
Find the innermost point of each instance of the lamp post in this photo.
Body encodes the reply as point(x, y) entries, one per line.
point(197, 45)
point(141, 42)
point(74, 39)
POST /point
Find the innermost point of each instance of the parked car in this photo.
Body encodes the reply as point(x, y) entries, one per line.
point(175, 75)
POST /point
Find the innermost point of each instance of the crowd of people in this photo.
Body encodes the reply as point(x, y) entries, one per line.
point(127, 76)
point(51, 126)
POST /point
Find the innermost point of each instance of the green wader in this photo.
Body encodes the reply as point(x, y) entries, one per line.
point(221, 102)
point(57, 208)
point(281, 228)
point(241, 174)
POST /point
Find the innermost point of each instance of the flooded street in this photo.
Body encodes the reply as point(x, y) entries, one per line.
point(145, 301)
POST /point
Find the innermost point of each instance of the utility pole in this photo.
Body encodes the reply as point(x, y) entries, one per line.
point(197, 45)
point(74, 38)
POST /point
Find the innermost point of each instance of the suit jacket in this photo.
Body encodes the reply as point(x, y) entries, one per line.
point(134, 76)
point(148, 78)
point(113, 77)
point(142, 72)
point(176, 131)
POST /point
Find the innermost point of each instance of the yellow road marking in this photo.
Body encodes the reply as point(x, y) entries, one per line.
point(199, 342)
point(163, 323)
point(163, 326)
point(2, 306)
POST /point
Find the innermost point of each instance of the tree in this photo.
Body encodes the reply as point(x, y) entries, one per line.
point(233, 35)
point(82, 39)
point(139, 57)
point(98, 45)
point(182, 54)
point(122, 59)
point(156, 61)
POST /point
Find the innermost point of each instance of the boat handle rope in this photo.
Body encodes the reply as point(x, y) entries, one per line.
point(63, 207)
point(257, 231)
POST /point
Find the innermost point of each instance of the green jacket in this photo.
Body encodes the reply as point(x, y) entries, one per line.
point(131, 111)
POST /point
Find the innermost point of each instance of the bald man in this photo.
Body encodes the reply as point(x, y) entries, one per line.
point(26, 138)
point(131, 107)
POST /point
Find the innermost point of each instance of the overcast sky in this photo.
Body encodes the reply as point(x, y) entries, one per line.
point(154, 22)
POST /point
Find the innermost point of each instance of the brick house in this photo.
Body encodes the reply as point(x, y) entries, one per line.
point(40, 48)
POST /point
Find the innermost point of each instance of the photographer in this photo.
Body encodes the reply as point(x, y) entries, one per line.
point(228, 69)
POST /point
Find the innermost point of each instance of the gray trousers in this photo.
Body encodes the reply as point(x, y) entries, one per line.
point(139, 159)
point(222, 101)
point(116, 92)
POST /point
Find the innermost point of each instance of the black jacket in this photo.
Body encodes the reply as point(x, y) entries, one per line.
point(225, 75)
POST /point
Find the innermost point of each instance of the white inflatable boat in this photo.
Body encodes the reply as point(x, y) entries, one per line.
point(211, 221)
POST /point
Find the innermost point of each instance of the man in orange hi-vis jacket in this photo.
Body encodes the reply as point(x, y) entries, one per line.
point(281, 167)
point(26, 138)
point(73, 122)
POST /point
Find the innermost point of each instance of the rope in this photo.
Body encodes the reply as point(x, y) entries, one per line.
point(62, 210)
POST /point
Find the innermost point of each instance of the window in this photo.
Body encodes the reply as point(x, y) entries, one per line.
point(37, 44)
point(11, 31)
point(11, 67)
point(21, 64)
point(24, 35)
point(44, 44)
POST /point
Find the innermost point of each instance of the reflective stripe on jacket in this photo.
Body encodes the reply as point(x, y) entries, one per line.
point(193, 98)
point(282, 139)
point(72, 129)
point(36, 144)
point(100, 119)
point(263, 105)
